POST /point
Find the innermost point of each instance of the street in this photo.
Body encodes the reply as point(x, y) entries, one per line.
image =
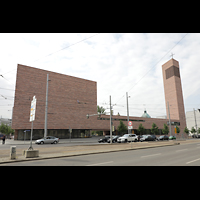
point(62, 142)
point(178, 155)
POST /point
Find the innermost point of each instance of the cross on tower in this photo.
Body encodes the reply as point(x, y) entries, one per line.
point(172, 55)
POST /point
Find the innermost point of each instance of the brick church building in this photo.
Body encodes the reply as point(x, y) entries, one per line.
point(70, 99)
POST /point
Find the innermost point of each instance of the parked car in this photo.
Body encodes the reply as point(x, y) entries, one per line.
point(105, 139)
point(163, 137)
point(172, 137)
point(47, 140)
point(128, 138)
point(154, 137)
point(147, 138)
point(196, 135)
point(114, 139)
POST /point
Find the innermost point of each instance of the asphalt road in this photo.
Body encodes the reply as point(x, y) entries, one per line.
point(178, 155)
point(62, 142)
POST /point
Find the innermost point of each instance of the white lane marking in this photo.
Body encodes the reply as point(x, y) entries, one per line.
point(151, 155)
point(100, 163)
point(192, 161)
point(181, 150)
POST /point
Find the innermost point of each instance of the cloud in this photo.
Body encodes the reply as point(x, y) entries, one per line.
point(118, 62)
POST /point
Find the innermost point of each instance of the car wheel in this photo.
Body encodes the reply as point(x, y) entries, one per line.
point(125, 140)
point(41, 142)
point(55, 142)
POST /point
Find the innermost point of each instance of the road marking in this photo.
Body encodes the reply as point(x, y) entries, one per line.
point(192, 161)
point(100, 163)
point(151, 155)
point(198, 147)
point(181, 150)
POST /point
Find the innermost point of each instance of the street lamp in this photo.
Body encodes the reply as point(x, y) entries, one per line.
point(127, 110)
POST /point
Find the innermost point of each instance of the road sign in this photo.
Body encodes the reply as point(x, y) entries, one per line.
point(130, 123)
point(130, 127)
point(33, 109)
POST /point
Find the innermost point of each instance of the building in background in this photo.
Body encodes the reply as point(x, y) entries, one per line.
point(6, 121)
point(70, 99)
point(173, 92)
point(190, 119)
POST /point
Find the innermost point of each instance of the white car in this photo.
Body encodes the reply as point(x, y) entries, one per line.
point(47, 140)
point(127, 138)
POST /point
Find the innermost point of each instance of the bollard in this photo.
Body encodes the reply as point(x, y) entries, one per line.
point(13, 152)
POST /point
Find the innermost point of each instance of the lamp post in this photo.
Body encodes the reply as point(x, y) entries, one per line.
point(127, 110)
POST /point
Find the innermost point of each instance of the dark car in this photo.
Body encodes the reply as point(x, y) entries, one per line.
point(1, 136)
point(154, 137)
point(163, 137)
point(105, 139)
point(147, 138)
point(196, 135)
point(114, 139)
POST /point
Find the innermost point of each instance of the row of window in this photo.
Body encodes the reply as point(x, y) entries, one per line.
point(115, 119)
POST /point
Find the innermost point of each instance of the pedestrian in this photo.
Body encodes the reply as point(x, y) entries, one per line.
point(3, 139)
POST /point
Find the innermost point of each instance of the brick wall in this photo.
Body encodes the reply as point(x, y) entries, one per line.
point(173, 91)
point(63, 108)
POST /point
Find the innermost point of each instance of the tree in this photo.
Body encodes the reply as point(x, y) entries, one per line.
point(186, 130)
point(165, 131)
point(5, 129)
point(141, 129)
point(177, 129)
point(100, 110)
point(193, 130)
point(122, 127)
point(154, 129)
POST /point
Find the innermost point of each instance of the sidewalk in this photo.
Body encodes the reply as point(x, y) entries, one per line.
point(67, 151)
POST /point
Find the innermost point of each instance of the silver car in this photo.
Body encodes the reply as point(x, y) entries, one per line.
point(47, 140)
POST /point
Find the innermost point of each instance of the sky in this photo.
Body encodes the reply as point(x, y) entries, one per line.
point(118, 62)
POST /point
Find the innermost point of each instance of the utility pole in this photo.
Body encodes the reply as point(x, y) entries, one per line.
point(170, 128)
point(110, 122)
point(127, 110)
point(195, 120)
point(46, 107)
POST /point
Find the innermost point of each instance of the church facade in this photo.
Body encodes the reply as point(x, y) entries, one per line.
point(70, 99)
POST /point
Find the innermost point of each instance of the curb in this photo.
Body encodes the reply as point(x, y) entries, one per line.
point(86, 153)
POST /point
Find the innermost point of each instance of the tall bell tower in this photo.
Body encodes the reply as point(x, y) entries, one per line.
point(173, 92)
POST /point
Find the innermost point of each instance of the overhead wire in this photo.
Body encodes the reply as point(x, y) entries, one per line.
point(154, 66)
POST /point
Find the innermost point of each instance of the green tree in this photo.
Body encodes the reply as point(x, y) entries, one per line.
point(141, 129)
point(193, 130)
point(186, 130)
point(122, 127)
point(5, 129)
point(177, 129)
point(100, 110)
point(154, 129)
point(165, 131)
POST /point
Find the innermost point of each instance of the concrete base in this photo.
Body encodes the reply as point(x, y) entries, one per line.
point(30, 153)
